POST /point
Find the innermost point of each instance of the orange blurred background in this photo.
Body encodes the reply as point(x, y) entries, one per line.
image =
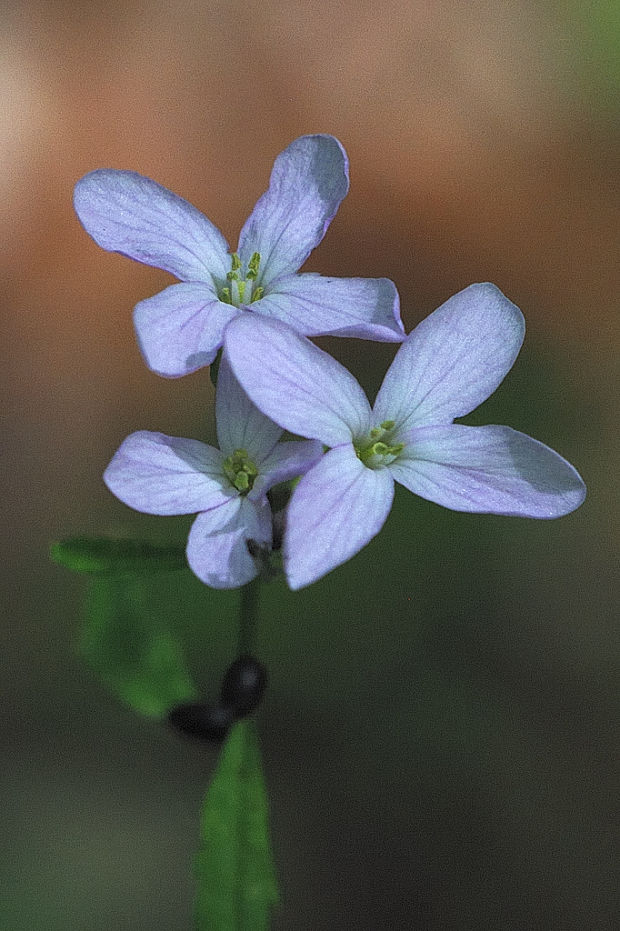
point(483, 142)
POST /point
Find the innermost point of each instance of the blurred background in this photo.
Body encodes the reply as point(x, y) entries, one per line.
point(439, 734)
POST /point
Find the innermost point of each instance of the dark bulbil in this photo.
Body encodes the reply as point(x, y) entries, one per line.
point(207, 722)
point(242, 689)
point(243, 685)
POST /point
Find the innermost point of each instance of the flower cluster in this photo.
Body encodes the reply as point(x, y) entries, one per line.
point(253, 308)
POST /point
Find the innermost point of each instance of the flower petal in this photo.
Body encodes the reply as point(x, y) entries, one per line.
point(217, 549)
point(128, 213)
point(286, 460)
point(160, 474)
point(338, 506)
point(181, 329)
point(240, 424)
point(494, 470)
point(453, 360)
point(294, 382)
point(367, 308)
point(308, 181)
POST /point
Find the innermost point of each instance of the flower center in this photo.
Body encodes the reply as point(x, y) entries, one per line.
point(375, 450)
point(242, 288)
point(240, 470)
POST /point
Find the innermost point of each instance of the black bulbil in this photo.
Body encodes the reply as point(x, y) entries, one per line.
point(205, 722)
point(243, 685)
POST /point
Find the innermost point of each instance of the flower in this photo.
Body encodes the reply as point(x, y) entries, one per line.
point(226, 487)
point(181, 329)
point(446, 367)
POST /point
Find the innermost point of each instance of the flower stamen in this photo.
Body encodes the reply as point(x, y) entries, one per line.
point(374, 451)
point(242, 289)
point(240, 471)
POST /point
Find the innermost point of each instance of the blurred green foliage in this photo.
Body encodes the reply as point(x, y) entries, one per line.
point(107, 555)
point(237, 887)
point(135, 655)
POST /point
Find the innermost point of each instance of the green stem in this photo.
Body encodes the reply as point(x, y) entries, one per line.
point(248, 617)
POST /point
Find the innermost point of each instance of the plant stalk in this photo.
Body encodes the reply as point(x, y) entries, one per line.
point(248, 618)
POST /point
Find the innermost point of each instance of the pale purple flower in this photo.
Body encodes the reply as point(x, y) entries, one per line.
point(226, 487)
point(181, 329)
point(447, 366)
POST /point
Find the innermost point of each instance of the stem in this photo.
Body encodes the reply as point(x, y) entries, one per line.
point(248, 617)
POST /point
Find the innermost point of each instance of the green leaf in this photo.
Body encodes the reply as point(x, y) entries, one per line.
point(237, 884)
point(101, 555)
point(130, 650)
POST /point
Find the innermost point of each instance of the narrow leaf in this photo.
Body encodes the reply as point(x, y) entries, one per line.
point(100, 555)
point(237, 886)
point(130, 650)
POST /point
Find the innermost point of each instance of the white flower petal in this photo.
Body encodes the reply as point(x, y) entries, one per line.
point(309, 179)
point(490, 469)
point(453, 360)
point(160, 474)
point(337, 508)
point(366, 308)
point(286, 460)
point(240, 424)
point(217, 548)
point(294, 382)
point(181, 329)
point(128, 213)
